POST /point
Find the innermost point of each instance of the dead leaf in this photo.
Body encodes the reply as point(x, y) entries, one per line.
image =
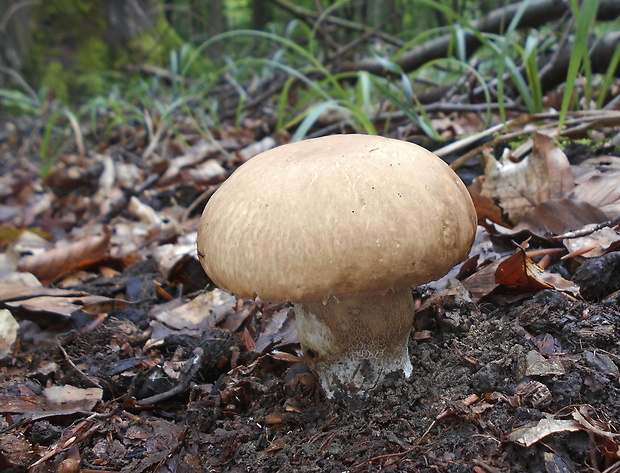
point(593, 245)
point(533, 432)
point(192, 156)
point(557, 216)
point(55, 400)
point(8, 332)
point(86, 397)
point(51, 264)
point(255, 148)
point(42, 307)
point(602, 191)
point(521, 273)
point(14, 292)
point(206, 173)
point(584, 419)
point(483, 281)
point(203, 312)
point(278, 329)
point(538, 365)
point(152, 223)
point(486, 207)
point(519, 187)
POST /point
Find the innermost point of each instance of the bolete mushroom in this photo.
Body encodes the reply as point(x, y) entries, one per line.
point(342, 226)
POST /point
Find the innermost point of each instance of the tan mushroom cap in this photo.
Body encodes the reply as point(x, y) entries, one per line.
point(339, 215)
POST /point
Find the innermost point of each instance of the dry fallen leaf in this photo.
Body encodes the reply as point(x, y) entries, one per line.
point(205, 173)
point(53, 309)
point(203, 312)
point(152, 223)
point(51, 264)
point(533, 432)
point(8, 332)
point(518, 187)
point(593, 245)
point(482, 282)
point(521, 273)
point(17, 291)
point(557, 216)
point(280, 327)
point(192, 156)
point(602, 191)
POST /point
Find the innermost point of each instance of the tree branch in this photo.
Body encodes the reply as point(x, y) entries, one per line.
point(539, 12)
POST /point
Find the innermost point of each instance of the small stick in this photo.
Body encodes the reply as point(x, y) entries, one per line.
point(587, 230)
point(87, 377)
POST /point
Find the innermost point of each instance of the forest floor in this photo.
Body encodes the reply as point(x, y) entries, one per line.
point(115, 358)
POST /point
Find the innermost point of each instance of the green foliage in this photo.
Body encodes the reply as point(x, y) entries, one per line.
point(585, 17)
point(609, 76)
point(66, 44)
point(182, 81)
point(51, 141)
point(239, 13)
point(16, 102)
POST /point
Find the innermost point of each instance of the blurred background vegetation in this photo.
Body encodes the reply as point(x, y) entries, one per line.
point(301, 65)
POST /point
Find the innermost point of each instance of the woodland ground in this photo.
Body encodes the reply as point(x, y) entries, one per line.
point(124, 362)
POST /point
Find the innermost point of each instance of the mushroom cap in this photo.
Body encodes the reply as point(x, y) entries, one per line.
point(338, 215)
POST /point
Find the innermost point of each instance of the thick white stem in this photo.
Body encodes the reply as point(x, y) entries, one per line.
point(352, 343)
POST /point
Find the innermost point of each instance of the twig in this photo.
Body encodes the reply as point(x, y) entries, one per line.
point(384, 456)
point(582, 120)
point(188, 371)
point(489, 468)
point(88, 378)
point(588, 230)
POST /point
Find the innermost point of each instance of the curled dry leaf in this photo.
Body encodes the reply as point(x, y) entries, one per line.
point(486, 207)
point(51, 264)
point(280, 328)
point(203, 312)
point(519, 187)
point(521, 273)
point(482, 282)
point(533, 432)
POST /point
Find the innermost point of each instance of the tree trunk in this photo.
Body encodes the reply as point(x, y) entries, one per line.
point(126, 19)
point(213, 12)
point(262, 13)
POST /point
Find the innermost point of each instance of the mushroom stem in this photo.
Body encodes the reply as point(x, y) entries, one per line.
point(354, 342)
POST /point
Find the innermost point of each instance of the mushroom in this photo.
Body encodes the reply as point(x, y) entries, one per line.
point(341, 226)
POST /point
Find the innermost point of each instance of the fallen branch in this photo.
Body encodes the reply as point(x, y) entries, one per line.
point(538, 13)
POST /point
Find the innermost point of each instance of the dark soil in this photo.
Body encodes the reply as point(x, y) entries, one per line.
point(480, 372)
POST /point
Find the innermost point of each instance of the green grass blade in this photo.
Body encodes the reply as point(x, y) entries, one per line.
point(530, 56)
point(425, 126)
point(299, 50)
point(364, 95)
point(48, 158)
point(505, 61)
point(585, 17)
point(609, 78)
point(283, 99)
point(311, 118)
